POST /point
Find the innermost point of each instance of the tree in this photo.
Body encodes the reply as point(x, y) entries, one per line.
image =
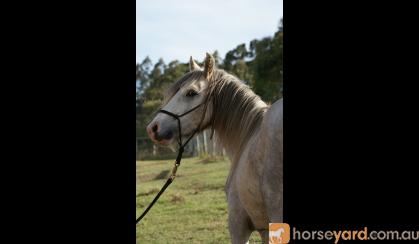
point(239, 53)
point(267, 66)
point(143, 74)
point(217, 58)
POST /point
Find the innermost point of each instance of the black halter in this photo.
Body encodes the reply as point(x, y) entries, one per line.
point(180, 152)
point(177, 117)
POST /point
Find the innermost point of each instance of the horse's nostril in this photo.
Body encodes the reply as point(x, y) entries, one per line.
point(155, 128)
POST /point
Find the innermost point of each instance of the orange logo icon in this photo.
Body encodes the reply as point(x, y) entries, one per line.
point(279, 233)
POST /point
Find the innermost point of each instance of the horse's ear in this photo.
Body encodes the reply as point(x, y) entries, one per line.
point(193, 66)
point(209, 66)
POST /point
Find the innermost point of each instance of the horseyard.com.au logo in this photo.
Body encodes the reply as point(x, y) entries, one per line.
point(279, 233)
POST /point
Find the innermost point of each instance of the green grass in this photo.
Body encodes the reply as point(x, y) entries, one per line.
point(192, 210)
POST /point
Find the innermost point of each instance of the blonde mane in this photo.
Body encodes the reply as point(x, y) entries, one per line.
point(237, 111)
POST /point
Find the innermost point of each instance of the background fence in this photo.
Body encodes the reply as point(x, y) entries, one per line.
point(200, 145)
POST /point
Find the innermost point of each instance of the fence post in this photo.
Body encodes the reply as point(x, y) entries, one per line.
point(136, 148)
point(198, 149)
point(154, 150)
point(214, 147)
point(205, 142)
point(209, 144)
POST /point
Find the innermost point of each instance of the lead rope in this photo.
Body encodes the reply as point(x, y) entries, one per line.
point(168, 182)
point(179, 155)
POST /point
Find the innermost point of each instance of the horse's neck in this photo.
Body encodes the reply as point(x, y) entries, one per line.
point(235, 140)
point(237, 113)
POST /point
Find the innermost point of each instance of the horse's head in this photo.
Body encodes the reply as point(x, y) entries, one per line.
point(183, 96)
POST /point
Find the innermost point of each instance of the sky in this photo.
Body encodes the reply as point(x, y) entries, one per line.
point(172, 29)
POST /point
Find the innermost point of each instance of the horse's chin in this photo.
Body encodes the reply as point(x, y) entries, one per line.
point(166, 142)
point(162, 142)
point(172, 142)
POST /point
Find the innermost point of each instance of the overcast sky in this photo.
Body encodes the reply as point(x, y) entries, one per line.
point(177, 29)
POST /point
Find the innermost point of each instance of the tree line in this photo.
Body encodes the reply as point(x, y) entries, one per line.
point(258, 64)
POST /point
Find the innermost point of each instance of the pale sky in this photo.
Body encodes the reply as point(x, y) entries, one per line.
point(177, 29)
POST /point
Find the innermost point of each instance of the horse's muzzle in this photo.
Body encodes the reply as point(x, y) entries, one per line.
point(159, 135)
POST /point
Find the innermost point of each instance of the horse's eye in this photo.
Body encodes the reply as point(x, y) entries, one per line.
point(191, 93)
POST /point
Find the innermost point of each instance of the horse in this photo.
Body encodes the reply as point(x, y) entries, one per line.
point(247, 128)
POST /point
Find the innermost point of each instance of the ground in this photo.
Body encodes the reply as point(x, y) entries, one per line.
point(194, 207)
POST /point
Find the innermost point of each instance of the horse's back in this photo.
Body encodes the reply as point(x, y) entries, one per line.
point(271, 128)
point(274, 117)
point(272, 176)
point(271, 133)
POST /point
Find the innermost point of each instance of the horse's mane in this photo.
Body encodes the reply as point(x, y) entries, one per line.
point(237, 111)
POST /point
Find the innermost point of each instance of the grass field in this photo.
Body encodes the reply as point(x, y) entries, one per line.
point(192, 210)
